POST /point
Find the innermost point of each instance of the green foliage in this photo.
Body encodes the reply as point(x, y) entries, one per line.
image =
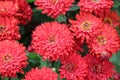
point(116, 6)
point(115, 59)
point(74, 8)
point(30, 1)
point(61, 18)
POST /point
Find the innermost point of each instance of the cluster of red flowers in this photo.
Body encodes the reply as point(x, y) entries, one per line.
point(13, 13)
point(94, 25)
point(12, 54)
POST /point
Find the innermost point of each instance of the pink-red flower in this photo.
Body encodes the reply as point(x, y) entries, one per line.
point(51, 40)
point(105, 42)
point(98, 69)
point(73, 67)
point(41, 74)
point(116, 76)
point(12, 58)
point(24, 13)
point(54, 8)
point(111, 18)
point(8, 8)
point(8, 28)
point(85, 26)
point(21, 10)
point(95, 6)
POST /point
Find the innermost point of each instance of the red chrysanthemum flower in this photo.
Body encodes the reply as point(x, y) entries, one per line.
point(8, 8)
point(85, 25)
point(54, 8)
point(12, 58)
point(111, 18)
point(105, 42)
point(98, 69)
point(52, 40)
point(95, 6)
point(41, 74)
point(116, 76)
point(73, 67)
point(8, 28)
point(24, 13)
point(19, 9)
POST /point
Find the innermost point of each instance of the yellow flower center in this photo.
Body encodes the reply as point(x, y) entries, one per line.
point(2, 28)
point(53, 1)
point(95, 1)
point(101, 40)
point(51, 39)
point(97, 69)
point(7, 58)
point(69, 67)
point(86, 26)
point(108, 20)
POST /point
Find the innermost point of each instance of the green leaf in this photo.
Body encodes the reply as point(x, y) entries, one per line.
point(61, 18)
point(74, 8)
point(38, 17)
point(30, 1)
point(33, 57)
point(115, 59)
point(43, 62)
point(33, 60)
point(117, 68)
point(57, 64)
point(22, 31)
point(14, 79)
point(5, 78)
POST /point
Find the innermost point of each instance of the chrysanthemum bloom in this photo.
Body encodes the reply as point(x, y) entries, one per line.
point(24, 13)
point(8, 28)
point(54, 8)
point(105, 42)
point(21, 10)
point(116, 76)
point(111, 18)
point(52, 40)
point(73, 67)
point(85, 25)
point(41, 74)
point(95, 6)
point(98, 69)
point(12, 58)
point(8, 8)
